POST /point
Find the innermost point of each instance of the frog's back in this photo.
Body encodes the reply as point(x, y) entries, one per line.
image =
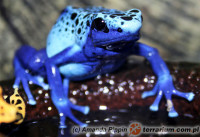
point(70, 29)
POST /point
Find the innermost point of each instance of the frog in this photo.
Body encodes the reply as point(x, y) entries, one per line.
point(84, 43)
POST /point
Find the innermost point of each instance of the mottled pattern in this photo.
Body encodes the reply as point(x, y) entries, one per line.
point(74, 25)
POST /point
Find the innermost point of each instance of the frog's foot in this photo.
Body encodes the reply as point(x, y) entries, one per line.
point(25, 77)
point(64, 108)
point(164, 86)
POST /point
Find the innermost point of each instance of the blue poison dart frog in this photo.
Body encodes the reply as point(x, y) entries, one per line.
point(84, 43)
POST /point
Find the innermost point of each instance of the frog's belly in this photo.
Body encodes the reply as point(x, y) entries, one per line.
point(75, 71)
point(78, 71)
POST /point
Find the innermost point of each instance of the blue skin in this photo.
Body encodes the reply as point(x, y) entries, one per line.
point(83, 44)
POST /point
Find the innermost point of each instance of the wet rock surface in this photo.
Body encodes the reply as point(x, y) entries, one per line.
point(114, 99)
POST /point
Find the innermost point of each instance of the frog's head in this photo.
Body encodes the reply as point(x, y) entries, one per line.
point(114, 30)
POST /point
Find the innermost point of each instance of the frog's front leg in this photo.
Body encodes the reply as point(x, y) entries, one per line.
point(164, 85)
point(59, 87)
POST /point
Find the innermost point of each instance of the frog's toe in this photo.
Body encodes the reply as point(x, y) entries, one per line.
point(62, 121)
point(32, 102)
point(83, 109)
point(45, 86)
point(73, 118)
point(38, 80)
point(17, 82)
point(189, 96)
point(64, 107)
point(24, 77)
point(15, 86)
point(148, 93)
point(61, 126)
point(151, 92)
point(87, 110)
point(69, 114)
point(173, 114)
point(84, 125)
point(170, 108)
point(28, 92)
point(41, 84)
point(153, 107)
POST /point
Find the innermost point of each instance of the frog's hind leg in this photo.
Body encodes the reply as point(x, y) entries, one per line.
point(26, 61)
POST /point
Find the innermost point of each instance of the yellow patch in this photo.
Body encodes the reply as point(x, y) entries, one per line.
point(15, 111)
point(7, 112)
point(17, 100)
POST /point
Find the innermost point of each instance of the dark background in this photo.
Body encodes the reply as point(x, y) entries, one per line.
point(172, 26)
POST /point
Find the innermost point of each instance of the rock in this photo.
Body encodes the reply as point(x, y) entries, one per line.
point(114, 99)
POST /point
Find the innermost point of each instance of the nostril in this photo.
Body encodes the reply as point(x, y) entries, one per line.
point(119, 30)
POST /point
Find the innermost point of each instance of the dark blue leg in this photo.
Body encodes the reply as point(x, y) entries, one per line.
point(164, 85)
point(59, 88)
point(27, 60)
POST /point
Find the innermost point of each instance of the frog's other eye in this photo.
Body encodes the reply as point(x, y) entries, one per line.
point(100, 25)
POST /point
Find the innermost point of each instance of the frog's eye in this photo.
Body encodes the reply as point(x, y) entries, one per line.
point(100, 25)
